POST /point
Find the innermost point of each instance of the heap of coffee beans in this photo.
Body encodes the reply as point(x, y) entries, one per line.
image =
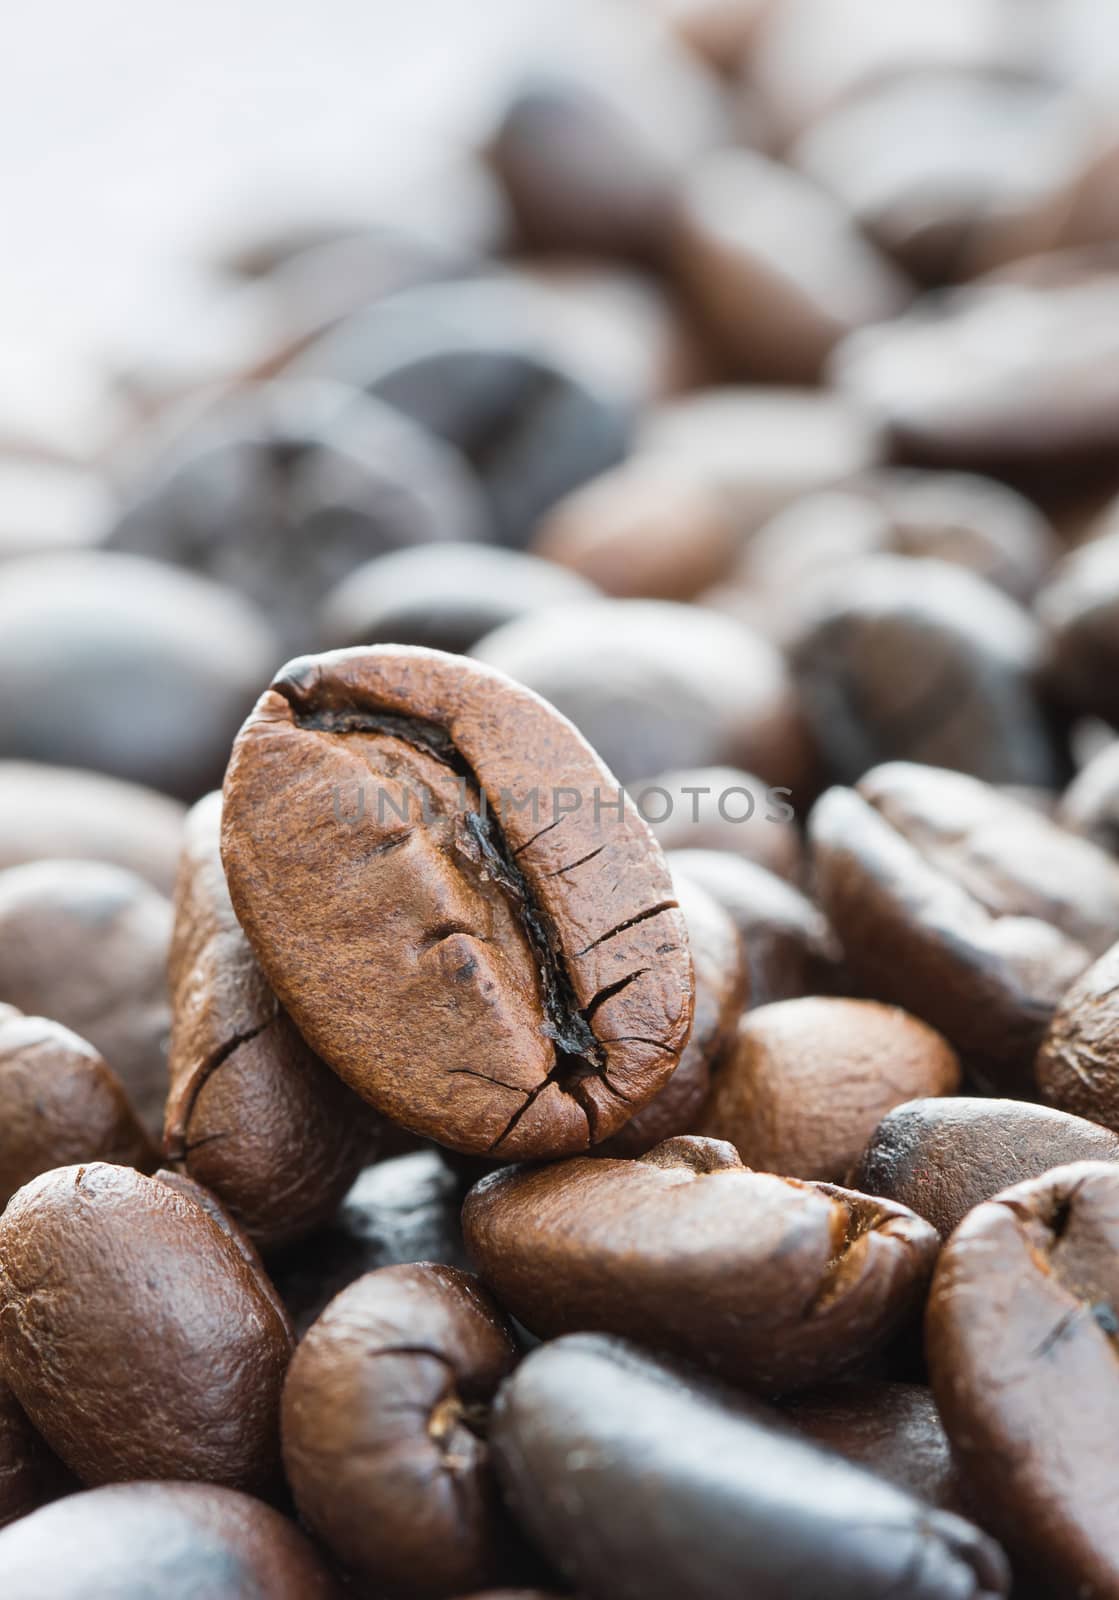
point(559, 857)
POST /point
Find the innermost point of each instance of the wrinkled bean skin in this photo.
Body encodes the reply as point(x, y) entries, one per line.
point(253, 1114)
point(764, 1280)
point(1078, 1063)
point(941, 1158)
point(137, 1333)
point(383, 1423)
point(180, 1541)
point(1020, 1329)
point(543, 968)
point(589, 1435)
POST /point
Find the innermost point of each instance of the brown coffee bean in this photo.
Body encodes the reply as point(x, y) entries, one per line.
point(59, 1103)
point(723, 808)
point(1090, 805)
point(20, 1489)
point(252, 1114)
point(915, 937)
point(764, 1280)
point(1079, 609)
point(722, 986)
point(180, 1541)
point(1021, 1320)
point(941, 1158)
point(385, 1410)
point(775, 266)
point(85, 944)
point(533, 986)
point(790, 947)
point(1079, 1056)
point(809, 1080)
point(135, 1333)
point(70, 815)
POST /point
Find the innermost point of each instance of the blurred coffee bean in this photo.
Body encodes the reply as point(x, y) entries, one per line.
point(953, 173)
point(385, 1410)
point(721, 31)
point(766, 1281)
point(176, 1540)
point(761, 448)
point(85, 944)
point(808, 1081)
point(288, 488)
point(656, 686)
point(1021, 1318)
point(1078, 1063)
point(59, 1103)
point(443, 597)
point(776, 267)
point(941, 1158)
point(1090, 805)
point(790, 948)
point(923, 661)
point(722, 808)
point(1003, 850)
point(74, 815)
point(50, 505)
point(128, 667)
point(1079, 611)
point(722, 988)
point(471, 363)
point(399, 1211)
point(893, 1429)
point(644, 531)
point(588, 1429)
point(915, 936)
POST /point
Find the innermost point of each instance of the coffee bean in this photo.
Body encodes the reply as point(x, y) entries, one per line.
point(776, 267)
point(59, 1103)
point(719, 30)
point(808, 1081)
point(723, 808)
point(20, 1488)
point(1076, 1064)
point(763, 1280)
point(442, 597)
point(77, 816)
point(384, 1418)
point(941, 1158)
point(533, 982)
point(1078, 610)
point(589, 1434)
point(1021, 1318)
point(971, 706)
point(252, 1114)
point(912, 935)
point(178, 1540)
point(655, 686)
point(136, 1334)
point(1090, 805)
point(85, 944)
point(283, 491)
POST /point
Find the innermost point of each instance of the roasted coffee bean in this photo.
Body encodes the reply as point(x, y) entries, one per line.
point(893, 1429)
point(1021, 1334)
point(135, 1332)
point(252, 1114)
point(471, 363)
point(1078, 1063)
point(719, 30)
point(385, 1411)
point(808, 1081)
point(722, 986)
point(443, 597)
point(1003, 850)
point(70, 815)
point(399, 1211)
point(20, 1487)
point(941, 1158)
point(790, 947)
point(1079, 610)
point(763, 1280)
point(59, 1103)
point(287, 488)
point(647, 530)
point(1090, 805)
point(655, 686)
point(180, 1541)
point(723, 808)
point(914, 936)
point(533, 985)
point(126, 666)
point(589, 1436)
point(922, 661)
point(776, 267)
point(85, 944)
